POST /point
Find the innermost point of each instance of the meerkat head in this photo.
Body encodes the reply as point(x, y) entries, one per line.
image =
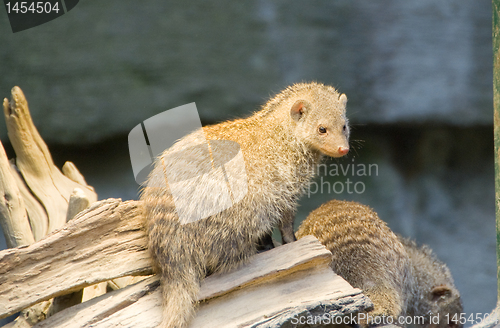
point(321, 122)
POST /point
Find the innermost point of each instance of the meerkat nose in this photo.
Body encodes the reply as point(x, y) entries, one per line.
point(343, 150)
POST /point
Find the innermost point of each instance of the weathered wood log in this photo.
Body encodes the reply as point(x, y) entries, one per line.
point(103, 242)
point(30, 316)
point(258, 294)
point(107, 241)
point(280, 300)
point(306, 254)
point(122, 282)
point(94, 291)
point(35, 163)
point(38, 170)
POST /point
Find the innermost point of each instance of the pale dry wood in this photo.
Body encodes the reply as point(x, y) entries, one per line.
point(13, 216)
point(37, 216)
point(35, 163)
point(85, 314)
point(303, 254)
point(42, 175)
point(144, 313)
point(278, 300)
point(347, 308)
point(125, 281)
point(94, 291)
point(103, 242)
point(256, 298)
point(69, 169)
point(78, 201)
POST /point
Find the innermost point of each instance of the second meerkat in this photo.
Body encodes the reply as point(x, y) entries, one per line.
point(281, 144)
point(402, 280)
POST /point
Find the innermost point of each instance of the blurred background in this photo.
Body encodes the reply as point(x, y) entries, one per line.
point(418, 75)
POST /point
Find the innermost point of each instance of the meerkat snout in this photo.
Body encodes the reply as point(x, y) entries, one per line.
point(343, 150)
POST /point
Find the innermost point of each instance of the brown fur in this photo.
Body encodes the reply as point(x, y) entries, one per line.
point(435, 292)
point(399, 278)
point(280, 144)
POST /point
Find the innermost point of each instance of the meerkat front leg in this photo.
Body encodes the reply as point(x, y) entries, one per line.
point(286, 227)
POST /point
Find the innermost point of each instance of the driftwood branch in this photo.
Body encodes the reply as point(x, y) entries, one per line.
point(107, 241)
point(103, 242)
point(36, 190)
point(35, 163)
point(256, 295)
point(98, 309)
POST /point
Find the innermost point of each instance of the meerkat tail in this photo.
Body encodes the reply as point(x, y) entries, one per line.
point(179, 275)
point(179, 297)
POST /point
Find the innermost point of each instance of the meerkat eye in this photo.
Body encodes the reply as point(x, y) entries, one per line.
point(322, 129)
point(344, 128)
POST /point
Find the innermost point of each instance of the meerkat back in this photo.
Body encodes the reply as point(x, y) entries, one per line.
point(401, 279)
point(365, 251)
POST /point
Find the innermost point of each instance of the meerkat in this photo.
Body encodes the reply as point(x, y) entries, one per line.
point(281, 144)
point(402, 280)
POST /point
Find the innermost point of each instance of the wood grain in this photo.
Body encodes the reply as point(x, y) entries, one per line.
point(35, 163)
point(14, 219)
point(269, 291)
point(103, 242)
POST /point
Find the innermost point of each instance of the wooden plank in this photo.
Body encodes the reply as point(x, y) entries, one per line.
point(94, 233)
point(277, 301)
point(103, 242)
point(256, 295)
point(97, 309)
point(301, 255)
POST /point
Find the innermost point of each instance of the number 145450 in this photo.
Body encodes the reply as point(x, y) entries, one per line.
point(32, 7)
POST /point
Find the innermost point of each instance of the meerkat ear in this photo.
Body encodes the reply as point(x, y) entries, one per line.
point(343, 99)
point(298, 110)
point(440, 290)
